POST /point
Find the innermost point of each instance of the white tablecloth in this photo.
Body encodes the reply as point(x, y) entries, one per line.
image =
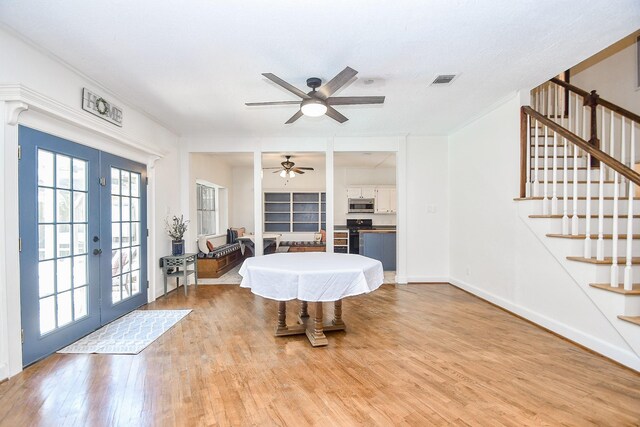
point(311, 276)
point(252, 238)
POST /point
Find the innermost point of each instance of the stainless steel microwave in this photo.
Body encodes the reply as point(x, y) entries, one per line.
point(361, 206)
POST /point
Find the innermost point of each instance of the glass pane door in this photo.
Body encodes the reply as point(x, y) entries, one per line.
point(83, 233)
point(58, 212)
point(124, 271)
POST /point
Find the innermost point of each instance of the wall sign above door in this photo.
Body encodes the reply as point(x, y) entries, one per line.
point(102, 108)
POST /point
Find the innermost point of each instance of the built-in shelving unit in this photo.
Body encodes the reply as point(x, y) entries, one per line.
point(341, 241)
point(294, 212)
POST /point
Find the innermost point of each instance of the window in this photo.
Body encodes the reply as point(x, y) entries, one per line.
point(294, 212)
point(207, 201)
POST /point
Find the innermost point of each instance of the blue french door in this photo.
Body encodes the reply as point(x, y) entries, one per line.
point(83, 256)
point(123, 266)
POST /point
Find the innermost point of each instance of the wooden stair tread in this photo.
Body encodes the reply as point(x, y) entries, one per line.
point(606, 261)
point(632, 319)
point(593, 181)
point(581, 168)
point(593, 236)
point(619, 290)
point(559, 216)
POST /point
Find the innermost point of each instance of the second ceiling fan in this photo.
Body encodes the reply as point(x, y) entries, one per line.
point(319, 101)
point(289, 168)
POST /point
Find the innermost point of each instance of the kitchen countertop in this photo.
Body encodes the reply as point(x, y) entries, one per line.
point(379, 230)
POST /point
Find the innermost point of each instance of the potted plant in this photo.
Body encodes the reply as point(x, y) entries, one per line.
point(176, 229)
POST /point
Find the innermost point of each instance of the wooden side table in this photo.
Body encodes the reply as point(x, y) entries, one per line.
point(179, 264)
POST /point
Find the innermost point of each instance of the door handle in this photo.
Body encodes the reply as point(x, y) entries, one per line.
point(97, 251)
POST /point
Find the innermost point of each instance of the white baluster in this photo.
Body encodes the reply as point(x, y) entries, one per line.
point(623, 149)
point(587, 239)
point(628, 271)
point(565, 190)
point(574, 219)
point(554, 188)
point(536, 181)
point(616, 197)
point(545, 194)
point(556, 104)
point(600, 243)
point(529, 176)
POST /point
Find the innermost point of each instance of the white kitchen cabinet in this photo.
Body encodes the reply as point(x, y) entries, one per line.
point(385, 200)
point(361, 192)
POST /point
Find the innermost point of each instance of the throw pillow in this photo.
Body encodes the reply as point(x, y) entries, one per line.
point(202, 245)
point(240, 230)
point(324, 236)
point(210, 246)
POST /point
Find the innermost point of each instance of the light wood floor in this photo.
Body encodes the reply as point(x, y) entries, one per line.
point(413, 355)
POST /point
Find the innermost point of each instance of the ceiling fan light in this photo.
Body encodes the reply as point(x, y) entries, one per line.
point(283, 173)
point(313, 107)
point(292, 174)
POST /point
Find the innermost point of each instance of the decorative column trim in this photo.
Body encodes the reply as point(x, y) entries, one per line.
point(13, 110)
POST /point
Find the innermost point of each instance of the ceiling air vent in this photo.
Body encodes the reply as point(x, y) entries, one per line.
point(444, 79)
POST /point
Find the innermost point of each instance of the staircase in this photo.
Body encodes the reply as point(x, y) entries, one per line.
point(577, 191)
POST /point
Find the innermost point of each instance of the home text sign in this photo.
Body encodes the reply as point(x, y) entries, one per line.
point(102, 108)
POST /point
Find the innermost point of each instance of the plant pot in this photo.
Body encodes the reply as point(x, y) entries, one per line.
point(177, 247)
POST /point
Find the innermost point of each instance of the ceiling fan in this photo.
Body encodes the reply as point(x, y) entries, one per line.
point(319, 101)
point(289, 169)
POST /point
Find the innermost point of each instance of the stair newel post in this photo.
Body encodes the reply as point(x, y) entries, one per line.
point(524, 147)
point(554, 188)
point(628, 271)
point(574, 219)
point(545, 161)
point(600, 243)
point(587, 239)
point(592, 102)
point(536, 182)
point(565, 189)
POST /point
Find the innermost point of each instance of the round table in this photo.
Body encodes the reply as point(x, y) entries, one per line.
point(314, 277)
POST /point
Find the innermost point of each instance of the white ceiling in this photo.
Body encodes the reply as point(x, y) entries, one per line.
point(192, 64)
point(316, 160)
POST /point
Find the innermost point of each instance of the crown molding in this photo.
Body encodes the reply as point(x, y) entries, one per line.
point(23, 98)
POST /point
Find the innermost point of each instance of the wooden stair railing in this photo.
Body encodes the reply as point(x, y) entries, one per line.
point(569, 132)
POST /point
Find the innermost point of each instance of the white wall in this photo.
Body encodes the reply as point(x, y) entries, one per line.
point(52, 92)
point(242, 206)
point(493, 254)
point(613, 73)
point(427, 209)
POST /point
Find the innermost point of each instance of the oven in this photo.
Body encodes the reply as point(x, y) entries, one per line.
point(354, 226)
point(361, 206)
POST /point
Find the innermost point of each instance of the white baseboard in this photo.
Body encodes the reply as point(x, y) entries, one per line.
point(427, 279)
point(624, 357)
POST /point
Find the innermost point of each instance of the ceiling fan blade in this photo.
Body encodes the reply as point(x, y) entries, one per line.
point(257, 104)
point(298, 171)
point(278, 171)
point(355, 100)
point(305, 169)
point(333, 113)
point(293, 118)
point(291, 88)
point(279, 167)
point(337, 82)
